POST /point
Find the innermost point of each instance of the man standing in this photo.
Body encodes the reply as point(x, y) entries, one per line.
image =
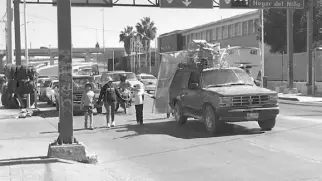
point(109, 93)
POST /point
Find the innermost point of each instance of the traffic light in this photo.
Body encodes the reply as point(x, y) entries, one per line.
point(239, 3)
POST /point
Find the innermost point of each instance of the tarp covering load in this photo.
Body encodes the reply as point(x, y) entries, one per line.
point(168, 67)
point(198, 51)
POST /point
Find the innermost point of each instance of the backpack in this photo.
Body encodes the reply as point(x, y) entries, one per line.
point(110, 94)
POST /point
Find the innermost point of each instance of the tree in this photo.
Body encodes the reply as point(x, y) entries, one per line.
point(125, 36)
point(275, 29)
point(146, 32)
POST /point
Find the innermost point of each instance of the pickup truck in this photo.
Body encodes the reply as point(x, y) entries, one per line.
point(79, 82)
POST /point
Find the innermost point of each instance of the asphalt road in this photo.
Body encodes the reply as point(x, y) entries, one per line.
point(162, 151)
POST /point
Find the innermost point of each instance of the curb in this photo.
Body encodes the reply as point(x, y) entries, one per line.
point(32, 160)
point(315, 104)
point(289, 98)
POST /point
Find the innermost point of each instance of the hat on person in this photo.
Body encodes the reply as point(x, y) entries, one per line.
point(88, 84)
point(139, 86)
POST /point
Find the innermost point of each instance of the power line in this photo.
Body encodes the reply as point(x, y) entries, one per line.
point(80, 26)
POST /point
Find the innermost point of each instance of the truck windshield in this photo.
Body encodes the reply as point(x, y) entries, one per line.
point(79, 82)
point(226, 77)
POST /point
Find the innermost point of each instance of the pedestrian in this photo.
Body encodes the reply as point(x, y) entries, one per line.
point(138, 96)
point(87, 104)
point(109, 94)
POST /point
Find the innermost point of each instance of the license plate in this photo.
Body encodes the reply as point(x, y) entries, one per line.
point(251, 116)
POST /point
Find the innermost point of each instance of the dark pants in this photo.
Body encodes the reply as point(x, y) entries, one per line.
point(139, 113)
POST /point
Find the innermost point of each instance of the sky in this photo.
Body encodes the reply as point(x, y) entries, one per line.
point(87, 23)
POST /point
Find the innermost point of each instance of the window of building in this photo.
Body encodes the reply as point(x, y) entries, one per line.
point(256, 24)
point(245, 32)
point(184, 41)
point(250, 27)
point(231, 30)
point(219, 33)
point(238, 29)
point(214, 35)
point(225, 31)
point(204, 35)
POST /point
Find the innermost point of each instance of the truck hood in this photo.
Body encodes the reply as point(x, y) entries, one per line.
point(239, 90)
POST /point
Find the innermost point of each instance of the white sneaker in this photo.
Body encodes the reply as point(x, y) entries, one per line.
point(108, 125)
point(113, 124)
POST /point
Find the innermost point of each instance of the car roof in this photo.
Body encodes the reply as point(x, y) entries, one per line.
point(81, 76)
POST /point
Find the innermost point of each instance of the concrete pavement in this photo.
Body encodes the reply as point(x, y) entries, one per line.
point(161, 150)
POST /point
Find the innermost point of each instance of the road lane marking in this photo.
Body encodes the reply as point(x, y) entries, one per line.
point(300, 118)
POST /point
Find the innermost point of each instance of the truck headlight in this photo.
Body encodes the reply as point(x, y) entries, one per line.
point(273, 99)
point(225, 101)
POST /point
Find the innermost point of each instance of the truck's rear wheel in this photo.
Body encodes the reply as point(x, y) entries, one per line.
point(211, 120)
point(178, 114)
point(267, 125)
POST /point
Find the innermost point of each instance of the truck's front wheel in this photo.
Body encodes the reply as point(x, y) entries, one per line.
point(267, 125)
point(211, 120)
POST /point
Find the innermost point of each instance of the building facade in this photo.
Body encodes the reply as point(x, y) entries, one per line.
point(234, 31)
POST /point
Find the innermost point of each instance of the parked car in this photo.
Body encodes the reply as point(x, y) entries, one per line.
point(149, 81)
point(219, 95)
point(79, 82)
point(51, 92)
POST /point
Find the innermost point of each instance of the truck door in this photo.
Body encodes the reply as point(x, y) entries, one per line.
point(194, 96)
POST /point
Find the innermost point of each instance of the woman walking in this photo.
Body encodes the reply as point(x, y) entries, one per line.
point(109, 94)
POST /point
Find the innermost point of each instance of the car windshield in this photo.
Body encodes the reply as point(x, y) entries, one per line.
point(45, 83)
point(226, 77)
point(116, 76)
point(81, 81)
point(147, 77)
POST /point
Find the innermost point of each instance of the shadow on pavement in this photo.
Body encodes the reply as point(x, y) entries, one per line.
point(31, 160)
point(191, 130)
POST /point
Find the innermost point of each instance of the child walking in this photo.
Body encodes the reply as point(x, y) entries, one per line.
point(87, 103)
point(138, 96)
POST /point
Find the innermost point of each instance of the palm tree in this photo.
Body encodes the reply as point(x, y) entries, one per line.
point(146, 32)
point(125, 36)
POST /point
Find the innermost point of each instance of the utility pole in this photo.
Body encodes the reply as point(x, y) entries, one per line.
point(9, 32)
point(290, 47)
point(16, 7)
point(103, 31)
point(309, 47)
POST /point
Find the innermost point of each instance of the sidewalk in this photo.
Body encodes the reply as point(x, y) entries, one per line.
point(299, 99)
point(21, 139)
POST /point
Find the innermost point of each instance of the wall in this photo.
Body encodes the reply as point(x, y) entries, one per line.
point(276, 67)
point(248, 41)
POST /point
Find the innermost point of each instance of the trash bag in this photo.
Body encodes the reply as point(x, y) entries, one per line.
point(13, 72)
point(32, 73)
point(26, 87)
point(12, 86)
point(22, 72)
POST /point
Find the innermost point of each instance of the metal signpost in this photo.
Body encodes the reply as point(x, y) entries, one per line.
point(65, 126)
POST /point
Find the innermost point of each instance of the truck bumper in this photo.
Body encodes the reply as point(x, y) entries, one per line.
point(247, 114)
